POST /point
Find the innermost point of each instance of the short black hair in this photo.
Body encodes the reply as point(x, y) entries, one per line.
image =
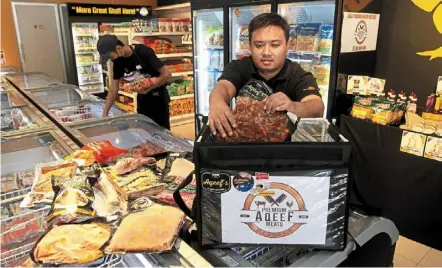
point(119, 43)
point(269, 19)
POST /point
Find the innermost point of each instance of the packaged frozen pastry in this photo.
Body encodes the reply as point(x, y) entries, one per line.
point(325, 38)
point(72, 244)
point(41, 191)
point(86, 155)
point(177, 165)
point(72, 202)
point(307, 36)
point(160, 228)
point(292, 37)
point(129, 164)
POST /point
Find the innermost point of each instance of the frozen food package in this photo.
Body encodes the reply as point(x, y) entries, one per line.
point(136, 82)
point(86, 155)
point(72, 202)
point(160, 228)
point(254, 124)
point(307, 36)
point(292, 38)
point(127, 165)
point(242, 42)
point(9, 182)
point(177, 165)
point(103, 150)
point(72, 244)
point(110, 200)
point(326, 39)
point(41, 191)
point(188, 193)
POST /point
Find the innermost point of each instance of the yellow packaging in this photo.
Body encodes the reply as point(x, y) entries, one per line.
point(362, 112)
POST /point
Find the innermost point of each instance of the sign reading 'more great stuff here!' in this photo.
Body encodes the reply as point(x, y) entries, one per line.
point(109, 10)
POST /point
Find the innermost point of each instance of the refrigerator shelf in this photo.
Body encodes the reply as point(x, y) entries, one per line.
point(174, 55)
point(87, 52)
point(182, 97)
point(91, 83)
point(178, 74)
point(86, 65)
point(160, 33)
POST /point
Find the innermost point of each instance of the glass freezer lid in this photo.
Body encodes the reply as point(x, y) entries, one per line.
point(10, 100)
point(37, 83)
point(83, 111)
point(131, 131)
point(61, 96)
point(25, 76)
point(17, 119)
point(19, 156)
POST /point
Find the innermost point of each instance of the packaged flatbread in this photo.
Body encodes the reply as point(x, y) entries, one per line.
point(153, 230)
point(72, 244)
point(41, 191)
point(177, 165)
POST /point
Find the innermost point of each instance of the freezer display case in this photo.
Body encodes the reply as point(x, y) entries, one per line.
point(208, 25)
point(20, 153)
point(36, 83)
point(311, 39)
point(16, 119)
point(11, 99)
point(15, 77)
point(129, 131)
point(89, 70)
point(240, 18)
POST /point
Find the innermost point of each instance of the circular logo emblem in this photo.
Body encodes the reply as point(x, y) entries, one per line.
point(361, 32)
point(144, 11)
point(243, 182)
point(278, 211)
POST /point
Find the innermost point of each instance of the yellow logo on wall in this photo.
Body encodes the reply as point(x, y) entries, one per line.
point(434, 6)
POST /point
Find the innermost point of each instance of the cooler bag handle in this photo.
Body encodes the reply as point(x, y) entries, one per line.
point(177, 195)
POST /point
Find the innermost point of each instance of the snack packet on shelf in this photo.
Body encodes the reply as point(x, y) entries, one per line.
point(41, 191)
point(158, 233)
point(71, 244)
point(72, 202)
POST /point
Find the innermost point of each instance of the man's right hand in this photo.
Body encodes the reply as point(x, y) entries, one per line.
point(221, 119)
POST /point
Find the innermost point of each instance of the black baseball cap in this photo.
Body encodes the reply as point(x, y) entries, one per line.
point(106, 44)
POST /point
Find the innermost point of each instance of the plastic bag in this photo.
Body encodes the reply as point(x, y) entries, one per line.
point(103, 150)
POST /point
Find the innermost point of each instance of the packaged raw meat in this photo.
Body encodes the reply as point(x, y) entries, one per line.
point(21, 231)
point(254, 124)
point(26, 177)
point(188, 193)
point(72, 202)
point(127, 165)
point(103, 150)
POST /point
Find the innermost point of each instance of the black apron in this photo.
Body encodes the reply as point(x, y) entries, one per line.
point(154, 104)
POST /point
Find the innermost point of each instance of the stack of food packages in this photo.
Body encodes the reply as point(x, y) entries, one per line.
point(136, 82)
point(381, 110)
point(185, 65)
point(174, 25)
point(164, 45)
point(98, 197)
point(182, 106)
point(181, 88)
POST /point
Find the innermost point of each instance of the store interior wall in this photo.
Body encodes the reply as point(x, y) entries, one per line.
point(405, 29)
point(9, 42)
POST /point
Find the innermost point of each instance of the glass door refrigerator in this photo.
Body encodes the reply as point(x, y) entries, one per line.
point(89, 72)
point(314, 40)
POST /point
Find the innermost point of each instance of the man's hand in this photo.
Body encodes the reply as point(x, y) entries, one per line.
point(221, 119)
point(278, 102)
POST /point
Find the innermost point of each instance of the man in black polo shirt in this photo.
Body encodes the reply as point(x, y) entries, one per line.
point(295, 90)
point(153, 101)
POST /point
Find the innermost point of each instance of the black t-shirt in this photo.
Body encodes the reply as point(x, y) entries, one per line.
point(143, 56)
point(291, 80)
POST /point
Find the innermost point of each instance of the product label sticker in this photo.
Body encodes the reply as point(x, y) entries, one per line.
point(218, 252)
point(357, 85)
point(261, 176)
point(230, 261)
point(243, 182)
point(215, 182)
point(433, 148)
point(286, 210)
point(413, 143)
point(376, 86)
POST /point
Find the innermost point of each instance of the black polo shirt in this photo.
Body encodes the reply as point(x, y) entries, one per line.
point(144, 57)
point(291, 80)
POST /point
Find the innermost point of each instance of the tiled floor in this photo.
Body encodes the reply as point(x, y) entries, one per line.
point(412, 254)
point(408, 252)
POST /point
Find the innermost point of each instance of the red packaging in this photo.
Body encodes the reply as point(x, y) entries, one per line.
point(103, 150)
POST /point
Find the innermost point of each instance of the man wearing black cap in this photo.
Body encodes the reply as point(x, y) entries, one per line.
point(153, 101)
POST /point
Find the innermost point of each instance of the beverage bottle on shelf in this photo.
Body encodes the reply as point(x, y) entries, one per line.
point(438, 105)
point(412, 103)
point(429, 105)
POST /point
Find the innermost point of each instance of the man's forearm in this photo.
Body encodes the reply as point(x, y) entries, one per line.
point(220, 93)
point(112, 95)
point(165, 75)
point(308, 109)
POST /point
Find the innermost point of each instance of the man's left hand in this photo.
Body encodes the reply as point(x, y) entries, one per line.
point(278, 102)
